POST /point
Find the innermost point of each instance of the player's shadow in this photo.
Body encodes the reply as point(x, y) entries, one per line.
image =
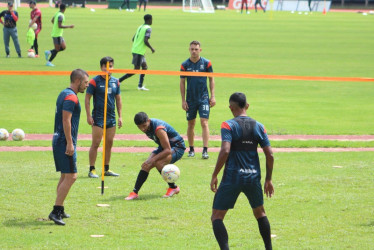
point(369, 224)
point(144, 197)
point(22, 223)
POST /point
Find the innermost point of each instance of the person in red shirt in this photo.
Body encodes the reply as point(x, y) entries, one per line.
point(35, 17)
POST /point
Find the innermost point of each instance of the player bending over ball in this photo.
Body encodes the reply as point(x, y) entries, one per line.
point(240, 137)
point(96, 89)
point(68, 110)
point(170, 149)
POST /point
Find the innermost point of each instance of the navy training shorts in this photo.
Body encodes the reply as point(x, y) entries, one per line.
point(64, 163)
point(228, 193)
point(203, 108)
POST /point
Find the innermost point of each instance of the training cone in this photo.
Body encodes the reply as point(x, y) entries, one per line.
point(324, 11)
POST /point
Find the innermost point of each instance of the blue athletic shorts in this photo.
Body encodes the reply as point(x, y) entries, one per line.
point(64, 163)
point(176, 153)
point(203, 108)
point(227, 195)
point(110, 123)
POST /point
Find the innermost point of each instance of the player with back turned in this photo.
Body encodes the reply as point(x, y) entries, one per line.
point(240, 138)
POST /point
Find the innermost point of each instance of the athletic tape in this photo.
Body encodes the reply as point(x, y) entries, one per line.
point(207, 74)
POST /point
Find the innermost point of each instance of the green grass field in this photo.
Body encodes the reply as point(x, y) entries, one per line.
point(338, 44)
point(315, 205)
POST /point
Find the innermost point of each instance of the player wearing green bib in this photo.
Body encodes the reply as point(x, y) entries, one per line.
point(139, 46)
point(58, 22)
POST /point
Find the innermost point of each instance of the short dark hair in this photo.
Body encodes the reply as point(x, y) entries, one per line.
point(106, 59)
point(239, 99)
point(32, 2)
point(77, 74)
point(147, 17)
point(62, 6)
point(10, 4)
point(195, 42)
point(140, 118)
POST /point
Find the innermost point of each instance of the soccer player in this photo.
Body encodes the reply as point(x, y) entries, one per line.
point(310, 5)
point(170, 149)
point(240, 137)
point(58, 22)
point(259, 2)
point(246, 6)
point(127, 3)
point(36, 17)
point(96, 89)
point(10, 28)
point(140, 43)
point(197, 96)
point(141, 2)
point(64, 140)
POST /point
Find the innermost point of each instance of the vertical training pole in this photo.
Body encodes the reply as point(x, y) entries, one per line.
point(324, 7)
point(271, 8)
point(104, 126)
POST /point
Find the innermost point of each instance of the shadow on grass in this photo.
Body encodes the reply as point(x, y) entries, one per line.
point(369, 224)
point(27, 223)
point(144, 197)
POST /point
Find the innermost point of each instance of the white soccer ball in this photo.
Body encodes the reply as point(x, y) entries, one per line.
point(18, 134)
point(170, 173)
point(34, 26)
point(31, 54)
point(3, 134)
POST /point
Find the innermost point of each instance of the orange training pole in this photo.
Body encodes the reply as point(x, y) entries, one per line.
point(178, 73)
point(104, 127)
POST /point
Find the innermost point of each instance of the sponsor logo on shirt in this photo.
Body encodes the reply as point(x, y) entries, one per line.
point(248, 171)
point(201, 66)
point(247, 142)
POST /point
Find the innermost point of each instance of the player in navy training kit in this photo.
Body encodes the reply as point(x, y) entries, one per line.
point(170, 149)
point(240, 137)
point(64, 141)
point(97, 90)
point(197, 96)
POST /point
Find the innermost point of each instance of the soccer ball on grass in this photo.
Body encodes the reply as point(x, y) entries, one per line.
point(31, 53)
point(3, 134)
point(170, 173)
point(18, 134)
